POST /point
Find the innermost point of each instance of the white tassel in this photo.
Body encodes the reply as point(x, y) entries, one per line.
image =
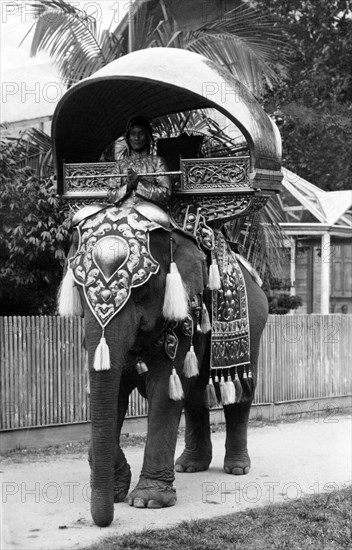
point(206, 325)
point(238, 388)
point(190, 367)
point(175, 386)
point(223, 390)
point(214, 276)
point(250, 380)
point(141, 367)
point(102, 356)
point(210, 395)
point(175, 306)
point(198, 327)
point(230, 391)
point(69, 299)
point(227, 391)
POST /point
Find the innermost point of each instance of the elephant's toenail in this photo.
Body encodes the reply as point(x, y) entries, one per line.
point(154, 504)
point(139, 503)
point(179, 468)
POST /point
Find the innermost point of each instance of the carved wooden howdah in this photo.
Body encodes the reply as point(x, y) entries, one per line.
point(222, 188)
point(158, 82)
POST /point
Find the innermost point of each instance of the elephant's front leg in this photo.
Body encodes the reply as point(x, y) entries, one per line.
point(155, 486)
point(105, 385)
point(122, 470)
point(237, 459)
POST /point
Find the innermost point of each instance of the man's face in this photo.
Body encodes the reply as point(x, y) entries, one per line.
point(138, 138)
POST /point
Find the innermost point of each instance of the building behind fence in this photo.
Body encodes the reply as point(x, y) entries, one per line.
point(44, 376)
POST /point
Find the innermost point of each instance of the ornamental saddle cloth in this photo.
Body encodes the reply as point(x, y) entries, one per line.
point(113, 257)
point(230, 343)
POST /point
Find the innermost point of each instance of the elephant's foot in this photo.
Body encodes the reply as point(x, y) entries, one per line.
point(150, 493)
point(122, 480)
point(191, 462)
point(237, 464)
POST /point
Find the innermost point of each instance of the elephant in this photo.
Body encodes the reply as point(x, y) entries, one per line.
point(134, 336)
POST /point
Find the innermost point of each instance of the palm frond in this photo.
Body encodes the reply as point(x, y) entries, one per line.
point(72, 38)
point(168, 35)
point(34, 150)
point(242, 41)
point(261, 239)
point(246, 43)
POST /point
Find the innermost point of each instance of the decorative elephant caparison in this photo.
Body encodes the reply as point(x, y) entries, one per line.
point(134, 334)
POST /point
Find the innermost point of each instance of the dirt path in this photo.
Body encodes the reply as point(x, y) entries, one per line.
point(45, 503)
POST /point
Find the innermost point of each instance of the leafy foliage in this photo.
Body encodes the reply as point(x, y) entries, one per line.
point(283, 303)
point(33, 236)
point(313, 105)
point(243, 40)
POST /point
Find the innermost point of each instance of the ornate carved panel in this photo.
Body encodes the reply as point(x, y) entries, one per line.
point(84, 180)
point(220, 188)
point(218, 208)
point(214, 173)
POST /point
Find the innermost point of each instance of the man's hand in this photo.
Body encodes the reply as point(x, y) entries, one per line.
point(132, 179)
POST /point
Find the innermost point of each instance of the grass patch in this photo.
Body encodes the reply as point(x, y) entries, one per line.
point(320, 522)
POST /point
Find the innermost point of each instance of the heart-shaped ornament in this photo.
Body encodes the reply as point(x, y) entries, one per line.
point(109, 255)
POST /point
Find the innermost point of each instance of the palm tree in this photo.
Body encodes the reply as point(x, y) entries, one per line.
point(243, 41)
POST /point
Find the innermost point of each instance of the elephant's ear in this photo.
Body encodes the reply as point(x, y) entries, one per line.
point(190, 261)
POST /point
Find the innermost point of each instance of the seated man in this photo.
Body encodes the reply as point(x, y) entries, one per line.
point(139, 161)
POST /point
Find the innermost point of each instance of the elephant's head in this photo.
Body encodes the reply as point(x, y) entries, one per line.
point(122, 269)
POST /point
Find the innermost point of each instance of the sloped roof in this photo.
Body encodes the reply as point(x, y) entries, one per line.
point(335, 204)
point(303, 202)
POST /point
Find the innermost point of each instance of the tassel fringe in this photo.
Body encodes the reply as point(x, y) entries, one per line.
point(175, 386)
point(69, 300)
point(238, 388)
point(141, 367)
point(245, 381)
point(230, 391)
point(214, 276)
point(190, 367)
point(198, 327)
point(206, 325)
point(227, 391)
point(175, 306)
point(223, 390)
point(102, 356)
point(210, 395)
point(250, 381)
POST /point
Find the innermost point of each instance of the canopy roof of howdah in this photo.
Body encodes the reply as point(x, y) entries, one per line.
point(156, 82)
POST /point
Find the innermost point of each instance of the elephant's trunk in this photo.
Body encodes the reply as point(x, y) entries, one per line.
point(104, 391)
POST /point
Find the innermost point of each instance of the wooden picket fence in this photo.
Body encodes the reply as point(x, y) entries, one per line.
point(43, 376)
